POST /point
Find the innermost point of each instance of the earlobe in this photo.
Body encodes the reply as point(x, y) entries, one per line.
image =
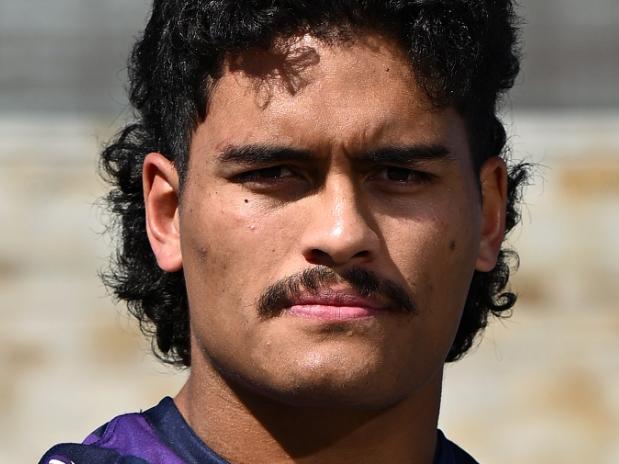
point(493, 182)
point(160, 183)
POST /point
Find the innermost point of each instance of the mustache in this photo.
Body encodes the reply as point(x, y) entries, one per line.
point(284, 292)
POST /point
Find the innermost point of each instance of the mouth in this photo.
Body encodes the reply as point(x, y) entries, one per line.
point(334, 306)
point(319, 293)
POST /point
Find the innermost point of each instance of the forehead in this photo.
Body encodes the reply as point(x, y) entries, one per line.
point(311, 93)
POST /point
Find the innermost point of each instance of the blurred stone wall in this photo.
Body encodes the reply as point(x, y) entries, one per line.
point(68, 357)
point(541, 387)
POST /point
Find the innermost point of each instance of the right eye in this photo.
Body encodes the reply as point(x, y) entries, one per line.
point(266, 175)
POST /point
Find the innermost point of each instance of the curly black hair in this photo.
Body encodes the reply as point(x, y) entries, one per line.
point(465, 54)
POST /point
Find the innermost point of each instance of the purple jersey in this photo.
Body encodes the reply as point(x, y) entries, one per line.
point(160, 435)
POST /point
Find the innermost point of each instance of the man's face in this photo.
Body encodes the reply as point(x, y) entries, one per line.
point(330, 160)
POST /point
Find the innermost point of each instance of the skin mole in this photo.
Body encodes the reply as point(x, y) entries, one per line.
point(452, 245)
point(202, 252)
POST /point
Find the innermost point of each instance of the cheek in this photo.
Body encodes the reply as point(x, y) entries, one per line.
point(436, 256)
point(229, 251)
point(432, 243)
point(453, 266)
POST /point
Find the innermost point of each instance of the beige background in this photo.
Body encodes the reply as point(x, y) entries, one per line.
point(541, 387)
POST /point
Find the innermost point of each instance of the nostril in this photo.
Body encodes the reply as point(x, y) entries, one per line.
point(362, 254)
point(318, 257)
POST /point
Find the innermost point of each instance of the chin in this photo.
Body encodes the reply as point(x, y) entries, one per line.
point(336, 397)
point(336, 387)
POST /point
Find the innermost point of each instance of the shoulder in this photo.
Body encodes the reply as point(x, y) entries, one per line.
point(450, 453)
point(461, 456)
point(73, 453)
point(126, 439)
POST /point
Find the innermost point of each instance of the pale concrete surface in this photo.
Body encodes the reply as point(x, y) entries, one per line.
point(70, 55)
point(541, 387)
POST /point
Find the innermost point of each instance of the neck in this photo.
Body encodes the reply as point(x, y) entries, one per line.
point(224, 416)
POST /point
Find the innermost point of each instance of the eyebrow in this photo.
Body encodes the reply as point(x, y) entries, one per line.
point(261, 154)
point(265, 154)
point(407, 154)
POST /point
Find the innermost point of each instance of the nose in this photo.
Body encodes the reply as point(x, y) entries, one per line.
point(339, 230)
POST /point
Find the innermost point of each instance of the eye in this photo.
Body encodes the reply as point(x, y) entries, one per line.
point(403, 175)
point(270, 174)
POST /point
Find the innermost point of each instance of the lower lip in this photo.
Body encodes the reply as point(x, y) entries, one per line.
point(331, 313)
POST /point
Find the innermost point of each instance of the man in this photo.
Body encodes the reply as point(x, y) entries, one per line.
point(312, 204)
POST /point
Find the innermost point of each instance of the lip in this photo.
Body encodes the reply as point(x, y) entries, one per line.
point(334, 306)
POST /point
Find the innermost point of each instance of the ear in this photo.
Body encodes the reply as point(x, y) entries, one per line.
point(161, 186)
point(493, 182)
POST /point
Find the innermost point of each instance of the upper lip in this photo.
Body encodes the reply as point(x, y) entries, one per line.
point(328, 297)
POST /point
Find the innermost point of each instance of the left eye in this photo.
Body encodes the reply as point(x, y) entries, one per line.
point(403, 175)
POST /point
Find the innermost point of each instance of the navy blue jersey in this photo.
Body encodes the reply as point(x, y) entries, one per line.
point(160, 435)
